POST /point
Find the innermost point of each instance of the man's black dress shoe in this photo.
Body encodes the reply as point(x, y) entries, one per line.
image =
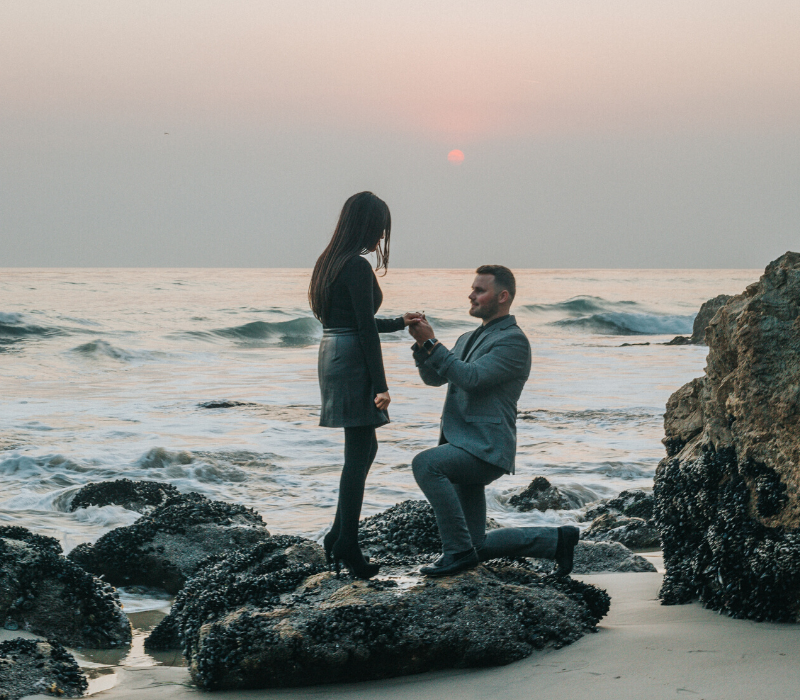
point(451, 564)
point(568, 536)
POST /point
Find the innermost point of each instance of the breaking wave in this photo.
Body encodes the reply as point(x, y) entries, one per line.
point(619, 323)
point(14, 328)
point(102, 349)
point(581, 306)
point(298, 331)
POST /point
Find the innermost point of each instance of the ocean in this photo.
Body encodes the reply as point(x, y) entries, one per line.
point(108, 373)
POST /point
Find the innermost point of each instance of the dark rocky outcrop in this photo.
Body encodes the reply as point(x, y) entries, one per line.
point(31, 667)
point(602, 558)
point(633, 503)
point(139, 496)
point(273, 617)
point(406, 529)
point(627, 519)
point(540, 494)
point(44, 593)
point(404, 534)
point(224, 403)
point(728, 493)
point(701, 321)
point(634, 533)
point(251, 577)
point(164, 548)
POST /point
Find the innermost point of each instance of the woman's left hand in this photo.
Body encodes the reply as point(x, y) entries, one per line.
point(412, 317)
point(383, 400)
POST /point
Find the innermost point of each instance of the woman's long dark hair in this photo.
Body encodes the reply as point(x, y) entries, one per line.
point(364, 219)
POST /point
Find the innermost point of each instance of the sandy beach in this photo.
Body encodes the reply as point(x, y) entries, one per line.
point(642, 650)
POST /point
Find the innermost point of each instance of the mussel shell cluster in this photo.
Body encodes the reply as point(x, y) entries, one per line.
point(714, 549)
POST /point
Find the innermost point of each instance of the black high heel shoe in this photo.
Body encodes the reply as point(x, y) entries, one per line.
point(327, 544)
point(353, 559)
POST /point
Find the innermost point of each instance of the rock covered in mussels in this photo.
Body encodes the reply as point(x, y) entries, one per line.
point(164, 548)
point(601, 558)
point(634, 533)
point(406, 529)
point(255, 576)
point(633, 503)
point(626, 518)
point(404, 534)
point(247, 623)
point(139, 496)
point(540, 494)
point(32, 667)
point(728, 493)
point(44, 593)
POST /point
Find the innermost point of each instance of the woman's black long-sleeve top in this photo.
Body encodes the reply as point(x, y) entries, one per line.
point(355, 298)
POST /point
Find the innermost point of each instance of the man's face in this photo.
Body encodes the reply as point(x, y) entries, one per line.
point(483, 299)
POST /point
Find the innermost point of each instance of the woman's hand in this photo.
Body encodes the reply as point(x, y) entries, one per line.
point(383, 400)
point(412, 317)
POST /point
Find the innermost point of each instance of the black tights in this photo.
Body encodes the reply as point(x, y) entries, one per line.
point(360, 448)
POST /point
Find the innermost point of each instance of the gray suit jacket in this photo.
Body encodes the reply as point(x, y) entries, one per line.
point(480, 411)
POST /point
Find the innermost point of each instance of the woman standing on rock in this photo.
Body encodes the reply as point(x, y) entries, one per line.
point(344, 295)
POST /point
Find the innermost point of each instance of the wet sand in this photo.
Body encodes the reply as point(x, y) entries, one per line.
point(642, 650)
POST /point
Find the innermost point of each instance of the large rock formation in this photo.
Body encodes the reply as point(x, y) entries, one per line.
point(707, 311)
point(164, 548)
point(273, 616)
point(31, 667)
point(728, 492)
point(44, 593)
point(139, 496)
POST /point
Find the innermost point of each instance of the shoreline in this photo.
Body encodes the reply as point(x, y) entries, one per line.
point(641, 649)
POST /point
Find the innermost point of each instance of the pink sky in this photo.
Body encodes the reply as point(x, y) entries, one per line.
point(433, 69)
point(596, 133)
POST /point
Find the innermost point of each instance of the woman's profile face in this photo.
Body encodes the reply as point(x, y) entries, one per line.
point(375, 247)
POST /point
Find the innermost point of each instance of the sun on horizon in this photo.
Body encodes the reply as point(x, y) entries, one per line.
point(456, 157)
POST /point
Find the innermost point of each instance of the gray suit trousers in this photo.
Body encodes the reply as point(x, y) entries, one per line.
point(454, 482)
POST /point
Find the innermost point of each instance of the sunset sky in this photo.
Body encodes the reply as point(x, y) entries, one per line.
point(595, 133)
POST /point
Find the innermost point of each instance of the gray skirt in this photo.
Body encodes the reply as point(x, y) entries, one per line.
point(348, 397)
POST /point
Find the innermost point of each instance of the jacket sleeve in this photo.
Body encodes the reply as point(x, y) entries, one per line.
point(390, 325)
point(508, 359)
point(358, 277)
point(429, 375)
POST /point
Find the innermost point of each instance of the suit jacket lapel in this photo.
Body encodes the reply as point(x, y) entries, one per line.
point(492, 329)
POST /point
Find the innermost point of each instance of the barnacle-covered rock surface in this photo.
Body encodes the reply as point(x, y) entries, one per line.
point(728, 493)
point(274, 616)
point(44, 593)
point(164, 548)
point(139, 496)
point(406, 529)
point(255, 576)
point(32, 667)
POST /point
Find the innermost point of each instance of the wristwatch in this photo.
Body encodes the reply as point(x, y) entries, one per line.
point(429, 344)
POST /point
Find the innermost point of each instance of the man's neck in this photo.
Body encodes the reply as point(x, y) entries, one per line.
point(497, 316)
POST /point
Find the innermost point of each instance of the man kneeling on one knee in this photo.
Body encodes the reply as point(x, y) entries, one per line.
point(485, 373)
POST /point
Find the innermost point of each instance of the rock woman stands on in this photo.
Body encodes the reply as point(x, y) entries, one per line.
point(344, 295)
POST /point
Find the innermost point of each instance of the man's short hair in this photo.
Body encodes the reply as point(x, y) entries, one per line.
point(503, 278)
